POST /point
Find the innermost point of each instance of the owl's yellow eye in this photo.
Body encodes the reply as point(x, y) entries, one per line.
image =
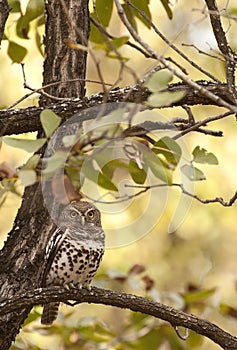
point(73, 213)
point(90, 214)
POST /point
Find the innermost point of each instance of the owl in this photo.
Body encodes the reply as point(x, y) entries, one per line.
point(74, 251)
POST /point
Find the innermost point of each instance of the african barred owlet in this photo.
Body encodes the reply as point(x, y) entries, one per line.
point(74, 251)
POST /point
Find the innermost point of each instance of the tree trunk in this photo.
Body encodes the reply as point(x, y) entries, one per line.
point(65, 26)
point(21, 259)
point(4, 12)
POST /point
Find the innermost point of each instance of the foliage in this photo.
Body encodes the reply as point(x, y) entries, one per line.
point(101, 13)
point(160, 157)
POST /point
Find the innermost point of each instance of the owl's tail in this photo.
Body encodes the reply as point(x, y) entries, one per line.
point(50, 313)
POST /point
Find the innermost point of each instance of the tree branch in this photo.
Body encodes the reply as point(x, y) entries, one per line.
point(18, 121)
point(122, 300)
point(229, 55)
point(219, 200)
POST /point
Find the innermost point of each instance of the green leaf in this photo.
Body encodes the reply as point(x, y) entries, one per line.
point(151, 340)
point(118, 42)
point(130, 15)
point(31, 163)
point(159, 81)
point(40, 20)
point(70, 140)
point(194, 341)
point(88, 171)
point(109, 168)
point(31, 317)
point(27, 177)
point(96, 36)
point(110, 45)
point(142, 5)
point(75, 176)
point(57, 161)
point(138, 175)
point(15, 5)
point(22, 28)
point(104, 11)
point(169, 148)
point(193, 173)
point(156, 166)
point(39, 42)
point(50, 121)
point(198, 295)
point(200, 155)
point(116, 57)
point(106, 183)
point(27, 145)
point(34, 9)
point(232, 11)
point(103, 15)
point(164, 99)
point(168, 10)
point(16, 52)
point(228, 310)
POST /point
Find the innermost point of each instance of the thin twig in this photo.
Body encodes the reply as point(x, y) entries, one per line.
point(191, 118)
point(203, 52)
point(42, 92)
point(201, 123)
point(219, 101)
point(172, 46)
point(219, 200)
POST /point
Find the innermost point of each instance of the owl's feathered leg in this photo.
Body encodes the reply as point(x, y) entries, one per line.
point(50, 313)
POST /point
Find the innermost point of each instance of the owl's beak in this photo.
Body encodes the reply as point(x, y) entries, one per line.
point(83, 220)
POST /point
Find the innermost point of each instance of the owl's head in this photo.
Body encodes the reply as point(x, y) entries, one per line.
point(80, 213)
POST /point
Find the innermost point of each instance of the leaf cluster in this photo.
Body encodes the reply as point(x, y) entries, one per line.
point(86, 157)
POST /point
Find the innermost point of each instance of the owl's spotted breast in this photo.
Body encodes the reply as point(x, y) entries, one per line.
point(74, 263)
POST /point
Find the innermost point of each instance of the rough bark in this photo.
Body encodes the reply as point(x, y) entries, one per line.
point(21, 259)
point(26, 120)
point(67, 23)
point(4, 12)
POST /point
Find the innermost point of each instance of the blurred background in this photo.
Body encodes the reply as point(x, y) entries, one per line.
point(192, 268)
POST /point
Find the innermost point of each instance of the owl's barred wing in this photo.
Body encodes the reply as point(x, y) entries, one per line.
point(51, 248)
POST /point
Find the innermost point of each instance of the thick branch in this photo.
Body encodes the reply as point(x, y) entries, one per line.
point(19, 121)
point(3, 16)
point(122, 300)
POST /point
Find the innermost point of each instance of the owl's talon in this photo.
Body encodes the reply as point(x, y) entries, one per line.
point(70, 285)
